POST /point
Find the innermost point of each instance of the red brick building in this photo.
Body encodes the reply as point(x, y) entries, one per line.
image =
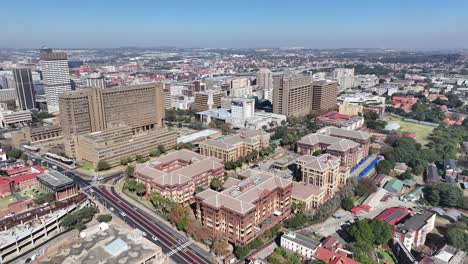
point(246, 209)
point(177, 174)
point(24, 176)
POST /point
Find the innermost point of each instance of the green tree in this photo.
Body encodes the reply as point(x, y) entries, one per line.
point(132, 185)
point(104, 218)
point(14, 153)
point(361, 231)
point(130, 171)
point(155, 153)
point(124, 161)
point(347, 203)
point(241, 252)
point(405, 176)
point(140, 189)
point(216, 183)
point(384, 166)
point(103, 165)
point(365, 187)
point(162, 149)
point(199, 189)
point(457, 237)
point(371, 231)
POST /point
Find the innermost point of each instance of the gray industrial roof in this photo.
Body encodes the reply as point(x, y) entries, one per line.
point(55, 178)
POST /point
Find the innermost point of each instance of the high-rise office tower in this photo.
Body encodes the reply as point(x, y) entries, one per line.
point(56, 76)
point(324, 95)
point(292, 95)
point(239, 83)
point(243, 108)
point(207, 100)
point(265, 78)
point(140, 107)
point(24, 88)
point(96, 81)
point(345, 78)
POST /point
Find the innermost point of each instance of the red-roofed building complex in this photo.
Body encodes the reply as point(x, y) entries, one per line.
point(405, 103)
point(333, 257)
point(342, 121)
point(19, 178)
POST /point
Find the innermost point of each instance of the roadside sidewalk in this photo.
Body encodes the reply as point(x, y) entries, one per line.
point(158, 217)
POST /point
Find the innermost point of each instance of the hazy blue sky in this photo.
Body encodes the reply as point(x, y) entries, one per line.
point(235, 23)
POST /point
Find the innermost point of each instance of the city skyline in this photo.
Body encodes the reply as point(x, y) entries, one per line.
point(239, 24)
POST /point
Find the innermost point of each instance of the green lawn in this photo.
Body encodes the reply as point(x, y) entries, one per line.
point(5, 201)
point(32, 192)
point(386, 257)
point(422, 131)
point(87, 166)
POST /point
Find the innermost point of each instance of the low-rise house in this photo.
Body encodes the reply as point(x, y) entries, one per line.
point(449, 255)
point(451, 170)
point(400, 167)
point(394, 186)
point(331, 257)
point(299, 244)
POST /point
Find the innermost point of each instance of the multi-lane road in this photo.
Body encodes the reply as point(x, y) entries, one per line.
point(177, 247)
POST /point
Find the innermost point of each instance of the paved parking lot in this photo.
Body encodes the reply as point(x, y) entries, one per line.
point(335, 227)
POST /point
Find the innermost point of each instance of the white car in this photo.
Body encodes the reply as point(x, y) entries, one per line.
point(154, 238)
point(112, 209)
point(35, 256)
point(143, 233)
point(123, 214)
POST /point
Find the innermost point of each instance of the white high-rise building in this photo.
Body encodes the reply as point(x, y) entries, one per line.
point(242, 108)
point(345, 78)
point(265, 78)
point(56, 76)
point(245, 91)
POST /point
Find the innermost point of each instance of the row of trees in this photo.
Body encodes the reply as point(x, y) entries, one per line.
point(79, 218)
point(253, 156)
point(444, 144)
point(457, 234)
point(325, 210)
point(184, 220)
point(134, 186)
point(281, 256)
point(366, 234)
point(445, 195)
point(140, 159)
point(242, 252)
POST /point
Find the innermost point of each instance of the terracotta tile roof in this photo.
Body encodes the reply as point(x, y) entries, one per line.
point(242, 201)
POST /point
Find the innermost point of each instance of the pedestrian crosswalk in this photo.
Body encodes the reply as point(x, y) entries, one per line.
point(179, 248)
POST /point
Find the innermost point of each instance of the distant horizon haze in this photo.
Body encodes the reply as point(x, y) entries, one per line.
point(332, 24)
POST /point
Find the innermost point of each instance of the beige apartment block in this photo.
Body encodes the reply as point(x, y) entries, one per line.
point(114, 144)
point(140, 107)
point(236, 146)
point(292, 95)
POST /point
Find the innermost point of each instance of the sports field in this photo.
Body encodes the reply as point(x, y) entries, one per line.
point(422, 131)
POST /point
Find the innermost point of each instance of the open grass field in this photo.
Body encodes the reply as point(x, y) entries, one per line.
point(422, 131)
